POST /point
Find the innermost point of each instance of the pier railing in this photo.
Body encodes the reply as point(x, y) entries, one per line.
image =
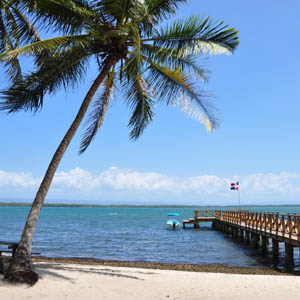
point(255, 228)
point(199, 213)
point(285, 225)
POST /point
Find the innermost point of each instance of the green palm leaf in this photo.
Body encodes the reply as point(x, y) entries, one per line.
point(49, 44)
point(177, 87)
point(155, 11)
point(12, 65)
point(25, 31)
point(120, 10)
point(197, 36)
point(70, 16)
point(65, 69)
point(96, 117)
point(140, 101)
point(175, 59)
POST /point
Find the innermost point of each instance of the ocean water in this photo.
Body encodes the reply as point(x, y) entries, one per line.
point(135, 234)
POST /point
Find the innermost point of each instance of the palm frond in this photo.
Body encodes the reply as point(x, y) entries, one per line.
point(12, 66)
point(177, 87)
point(69, 17)
point(134, 62)
point(156, 11)
point(140, 101)
point(25, 31)
point(13, 69)
point(121, 10)
point(11, 25)
point(97, 115)
point(197, 36)
point(161, 9)
point(65, 69)
point(175, 59)
point(49, 44)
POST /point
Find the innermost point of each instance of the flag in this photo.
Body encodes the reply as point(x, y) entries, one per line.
point(234, 186)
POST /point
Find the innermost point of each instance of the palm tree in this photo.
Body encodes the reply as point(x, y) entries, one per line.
point(15, 30)
point(150, 63)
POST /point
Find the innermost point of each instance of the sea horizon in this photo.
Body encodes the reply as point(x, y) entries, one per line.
point(80, 204)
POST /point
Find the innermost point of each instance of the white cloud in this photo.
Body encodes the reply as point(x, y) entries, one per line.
point(17, 180)
point(130, 184)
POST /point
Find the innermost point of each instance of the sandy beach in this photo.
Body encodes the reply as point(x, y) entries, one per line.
point(83, 281)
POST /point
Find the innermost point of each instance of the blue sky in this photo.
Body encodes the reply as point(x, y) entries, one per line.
point(257, 92)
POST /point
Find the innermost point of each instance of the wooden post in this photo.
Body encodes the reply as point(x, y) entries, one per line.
point(196, 225)
point(226, 228)
point(235, 232)
point(231, 231)
point(275, 248)
point(241, 235)
point(289, 254)
point(255, 240)
point(195, 214)
point(264, 243)
point(247, 237)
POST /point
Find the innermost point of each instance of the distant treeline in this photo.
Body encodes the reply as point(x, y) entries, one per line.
point(133, 205)
point(88, 205)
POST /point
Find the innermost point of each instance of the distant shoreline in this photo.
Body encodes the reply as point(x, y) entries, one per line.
point(136, 205)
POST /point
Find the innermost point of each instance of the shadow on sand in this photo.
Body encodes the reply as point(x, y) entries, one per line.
point(53, 270)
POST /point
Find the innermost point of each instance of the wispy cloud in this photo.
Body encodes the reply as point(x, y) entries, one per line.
point(255, 188)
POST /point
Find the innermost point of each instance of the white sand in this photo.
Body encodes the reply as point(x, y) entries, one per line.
point(72, 282)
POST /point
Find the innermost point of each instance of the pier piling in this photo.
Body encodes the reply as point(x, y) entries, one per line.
point(289, 254)
point(275, 248)
point(264, 243)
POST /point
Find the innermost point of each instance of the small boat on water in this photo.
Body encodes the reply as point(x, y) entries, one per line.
point(173, 223)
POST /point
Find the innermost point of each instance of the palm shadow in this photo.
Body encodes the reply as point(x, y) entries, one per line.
point(52, 270)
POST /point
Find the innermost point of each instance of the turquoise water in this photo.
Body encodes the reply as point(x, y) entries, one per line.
point(134, 234)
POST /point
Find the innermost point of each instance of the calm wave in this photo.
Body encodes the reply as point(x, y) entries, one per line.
point(135, 234)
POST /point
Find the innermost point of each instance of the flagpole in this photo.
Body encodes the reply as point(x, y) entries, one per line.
point(239, 199)
point(236, 187)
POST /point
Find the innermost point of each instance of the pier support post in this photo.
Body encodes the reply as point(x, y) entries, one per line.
point(235, 233)
point(275, 248)
point(241, 235)
point(197, 225)
point(230, 230)
point(255, 240)
point(226, 228)
point(264, 243)
point(247, 237)
point(289, 254)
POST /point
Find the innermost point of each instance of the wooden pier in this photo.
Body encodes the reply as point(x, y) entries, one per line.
point(256, 228)
point(201, 216)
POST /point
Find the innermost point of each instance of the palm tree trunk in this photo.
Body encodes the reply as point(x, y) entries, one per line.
point(21, 269)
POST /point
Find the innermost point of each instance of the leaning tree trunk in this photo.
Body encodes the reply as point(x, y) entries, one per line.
point(21, 269)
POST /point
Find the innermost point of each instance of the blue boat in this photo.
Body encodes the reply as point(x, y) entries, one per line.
point(173, 223)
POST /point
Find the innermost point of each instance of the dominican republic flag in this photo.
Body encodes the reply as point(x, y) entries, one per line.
point(234, 186)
